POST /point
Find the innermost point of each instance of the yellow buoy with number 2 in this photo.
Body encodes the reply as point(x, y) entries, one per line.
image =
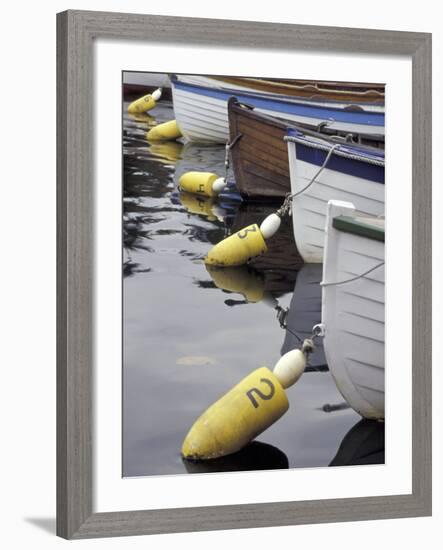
point(246, 410)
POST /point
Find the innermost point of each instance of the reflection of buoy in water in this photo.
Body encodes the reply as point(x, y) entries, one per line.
point(238, 279)
point(255, 456)
point(168, 152)
point(202, 183)
point(196, 204)
point(246, 410)
point(142, 117)
point(245, 244)
point(145, 103)
point(167, 131)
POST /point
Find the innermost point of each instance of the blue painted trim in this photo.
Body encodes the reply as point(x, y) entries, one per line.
point(283, 106)
point(352, 167)
point(377, 154)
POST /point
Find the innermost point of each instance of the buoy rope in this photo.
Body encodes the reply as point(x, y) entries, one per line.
point(229, 146)
point(285, 207)
point(353, 278)
point(339, 153)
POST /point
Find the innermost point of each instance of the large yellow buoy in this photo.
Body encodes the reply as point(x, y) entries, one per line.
point(243, 245)
point(245, 411)
point(145, 103)
point(167, 131)
point(202, 183)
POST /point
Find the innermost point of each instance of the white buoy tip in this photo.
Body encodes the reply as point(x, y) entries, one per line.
point(218, 185)
point(156, 94)
point(270, 225)
point(290, 367)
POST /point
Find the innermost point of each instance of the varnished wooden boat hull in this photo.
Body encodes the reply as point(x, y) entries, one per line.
point(260, 157)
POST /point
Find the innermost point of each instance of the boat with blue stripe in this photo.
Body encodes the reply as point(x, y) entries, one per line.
point(321, 170)
point(200, 106)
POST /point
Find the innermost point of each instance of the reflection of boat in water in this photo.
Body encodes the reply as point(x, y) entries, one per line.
point(363, 444)
point(200, 107)
point(255, 456)
point(352, 173)
point(353, 311)
point(305, 312)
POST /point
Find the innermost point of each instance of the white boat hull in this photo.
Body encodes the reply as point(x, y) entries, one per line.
point(353, 315)
point(204, 118)
point(309, 208)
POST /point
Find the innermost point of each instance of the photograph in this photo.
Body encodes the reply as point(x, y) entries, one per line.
point(253, 273)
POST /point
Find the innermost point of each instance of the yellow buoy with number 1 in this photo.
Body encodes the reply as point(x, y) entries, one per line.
point(243, 245)
point(145, 103)
point(246, 410)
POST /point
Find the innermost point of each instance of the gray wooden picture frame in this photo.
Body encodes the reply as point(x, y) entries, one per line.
point(76, 32)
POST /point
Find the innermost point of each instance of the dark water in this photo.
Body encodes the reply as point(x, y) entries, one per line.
point(189, 336)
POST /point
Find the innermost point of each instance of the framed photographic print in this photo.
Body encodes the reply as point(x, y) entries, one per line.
point(244, 274)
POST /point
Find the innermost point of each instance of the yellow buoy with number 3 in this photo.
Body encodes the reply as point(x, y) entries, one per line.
point(238, 248)
point(243, 245)
point(245, 411)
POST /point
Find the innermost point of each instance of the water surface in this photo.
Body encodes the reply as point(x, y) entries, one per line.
point(190, 336)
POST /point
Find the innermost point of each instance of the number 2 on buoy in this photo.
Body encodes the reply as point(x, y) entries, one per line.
point(261, 394)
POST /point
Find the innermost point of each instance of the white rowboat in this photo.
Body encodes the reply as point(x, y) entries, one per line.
point(353, 173)
point(353, 312)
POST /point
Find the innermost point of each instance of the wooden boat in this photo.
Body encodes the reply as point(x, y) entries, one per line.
point(353, 173)
point(314, 90)
point(259, 154)
point(353, 312)
point(200, 106)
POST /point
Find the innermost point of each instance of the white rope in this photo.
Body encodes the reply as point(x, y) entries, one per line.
point(287, 202)
point(353, 278)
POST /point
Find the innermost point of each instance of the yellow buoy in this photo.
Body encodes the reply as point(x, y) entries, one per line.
point(145, 103)
point(238, 417)
point(167, 131)
point(201, 183)
point(238, 279)
point(238, 248)
point(246, 410)
point(245, 244)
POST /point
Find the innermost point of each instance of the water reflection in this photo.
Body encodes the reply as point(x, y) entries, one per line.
point(176, 313)
point(363, 444)
point(255, 456)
